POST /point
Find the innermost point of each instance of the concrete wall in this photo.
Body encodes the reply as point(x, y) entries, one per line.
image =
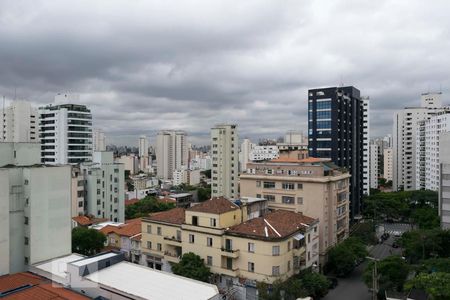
point(4, 222)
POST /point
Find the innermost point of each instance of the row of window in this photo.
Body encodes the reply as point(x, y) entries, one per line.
point(284, 185)
point(284, 199)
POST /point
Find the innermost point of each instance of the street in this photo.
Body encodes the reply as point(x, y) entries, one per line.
point(353, 287)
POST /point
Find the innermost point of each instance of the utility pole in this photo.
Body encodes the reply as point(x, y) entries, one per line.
point(374, 277)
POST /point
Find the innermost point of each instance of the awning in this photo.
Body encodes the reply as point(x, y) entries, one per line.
point(299, 236)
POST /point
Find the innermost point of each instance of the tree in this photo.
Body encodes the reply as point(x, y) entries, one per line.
point(343, 257)
point(393, 271)
point(204, 193)
point(87, 241)
point(436, 284)
point(192, 266)
point(316, 285)
point(423, 244)
point(145, 206)
point(435, 265)
point(426, 218)
point(365, 232)
point(207, 173)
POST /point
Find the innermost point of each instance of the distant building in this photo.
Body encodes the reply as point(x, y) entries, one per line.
point(374, 165)
point(311, 186)
point(404, 139)
point(98, 140)
point(66, 133)
point(35, 208)
point(337, 130)
point(78, 192)
point(387, 164)
point(244, 154)
point(260, 153)
point(104, 186)
point(130, 163)
point(225, 161)
point(171, 152)
point(444, 180)
point(143, 153)
point(19, 123)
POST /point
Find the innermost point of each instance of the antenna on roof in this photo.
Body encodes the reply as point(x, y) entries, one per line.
point(341, 82)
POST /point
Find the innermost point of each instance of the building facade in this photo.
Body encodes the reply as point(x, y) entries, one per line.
point(336, 131)
point(19, 123)
point(171, 152)
point(444, 179)
point(367, 179)
point(387, 164)
point(259, 153)
point(143, 153)
point(35, 208)
point(65, 133)
point(225, 161)
point(78, 192)
point(263, 249)
point(374, 165)
point(315, 188)
point(104, 187)
point(404, 140)
point(98, 140)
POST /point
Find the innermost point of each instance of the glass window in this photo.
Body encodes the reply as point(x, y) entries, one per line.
point(288, 186)
point(275, 250)
point(269, 197)
point(159, 230)
point(323, 105)
point(323, 124)
point(251, 247)
point(288, 200)
point(212, 222)
point(300, 186)
point(209, 242)
point(149, 228)
point(324, 114)
point(209, 260)
point(251, 267)
point(149, 245)
point(299, 200)
point(191, 238)
point(159, 247)
point(276, 270)
point(269, 185)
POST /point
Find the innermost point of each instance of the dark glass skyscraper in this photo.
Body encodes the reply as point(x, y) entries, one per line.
point(335, 131)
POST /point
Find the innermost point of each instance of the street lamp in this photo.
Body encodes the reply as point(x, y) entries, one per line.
point(374, 277)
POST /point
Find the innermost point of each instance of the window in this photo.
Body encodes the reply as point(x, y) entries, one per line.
point(315, 228)
point(26, 241)
point(289, 265)
point(251, 247)
point(179, 235)
point(289, 245)
point(149, 228)
point(26, 260)
point(300, 186)
point(209, 260)
point(288, 200)
point(323, 104)
point(258, 195)
point(275, 250)
point(258, 183)
point(212, 222)
point(299, 200)
point(26, 182)
point(191, 238)
point(270, 197)
point(26, 221)
point(251, 267)
point(209, 242)
point(194, 220)
point(149, 245)
point(288, 186)
point(159, 230)
point(323, 124)
point(269, 185)
point(158, 247)
point(309, 237)
point(275, 270)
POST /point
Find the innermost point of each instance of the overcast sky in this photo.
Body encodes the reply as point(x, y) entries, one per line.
point(148, 65)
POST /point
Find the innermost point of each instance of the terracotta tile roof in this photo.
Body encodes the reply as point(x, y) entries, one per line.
point(130, 228)
point(167, 200)
point(40, 288)
point(137, 237)
point(216, 205)
point(88, 220)
point(172, 216)
point(131, 201)
point(274, 225)
point(295, 160)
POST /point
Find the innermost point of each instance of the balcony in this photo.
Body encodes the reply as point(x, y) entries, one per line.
point(233, 272)
point(171, 257)
point(230, 253)
point(173, 241)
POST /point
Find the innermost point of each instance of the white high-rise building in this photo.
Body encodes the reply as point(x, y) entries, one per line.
point(66, 133)
point(404, 139)
point(427, 150)
point(387, 164)
point(19, 123)
point(171, 152)
point(374, 163)
point(143, 153)
point(105, 197)
point(366, 147)
point(444, 179)
point(99, 141)
point(35, 208)
point(225, 156)
point(244, 155)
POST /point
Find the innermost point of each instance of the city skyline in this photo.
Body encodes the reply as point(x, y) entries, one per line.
point(165, 70)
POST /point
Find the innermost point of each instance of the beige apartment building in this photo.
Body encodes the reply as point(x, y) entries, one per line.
point(236, 249)
point(312, 186)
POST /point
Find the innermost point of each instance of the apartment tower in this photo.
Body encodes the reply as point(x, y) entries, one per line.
point(171, 152)
point(225, 161)
point(19, 123)
point(336, 131)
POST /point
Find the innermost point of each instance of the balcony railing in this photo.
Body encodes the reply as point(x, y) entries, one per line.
point(174, 239)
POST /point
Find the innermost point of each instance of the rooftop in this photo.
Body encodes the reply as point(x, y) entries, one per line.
point(172, 216)
point(58, 266)
point(29, 286)
point(163, 285)
point(88, 220)
point(275, 225)
point(130, 228)
point(216, 205)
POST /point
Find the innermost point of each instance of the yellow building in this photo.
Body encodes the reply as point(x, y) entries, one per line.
point(265, 248)
point(312, 186)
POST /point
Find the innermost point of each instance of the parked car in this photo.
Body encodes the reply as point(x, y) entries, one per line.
point(395, 244)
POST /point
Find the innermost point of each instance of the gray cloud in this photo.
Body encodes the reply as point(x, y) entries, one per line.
point(147, 65)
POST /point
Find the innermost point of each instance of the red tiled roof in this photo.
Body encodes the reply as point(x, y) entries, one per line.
point(216, 205)
point(277, 224)
point(40, 288)
point(86, 220)
point(137, 237)
point(172, 216)
point(131, 201)
point(130, 228)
